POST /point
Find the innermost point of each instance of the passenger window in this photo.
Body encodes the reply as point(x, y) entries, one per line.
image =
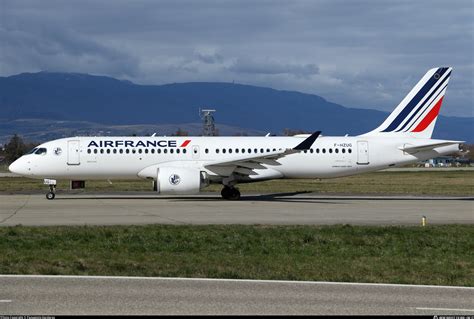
point(261, 150)
point(311, 150)
point(127, 151)
point(305, 151)
point(101, 151)
point(89, 151)
point(95, 151)
point(324, 150)
point(336, 150)
point(223, 150)
point(158, 151)
point(330, 150)
point(146, 150)
point(206, 150)
point(230, 151)
point(184, 151)
point(108, 151)
point(249, 150)
point(152, 151)
point(343, 150)
point(121, 151)
point(317, 150)
point(115, 151)
point(171, 151)
point(139, 151)
point(133, 151)
point(349, 150)
point(236, 150)
point(165, 150)
point(177, 150)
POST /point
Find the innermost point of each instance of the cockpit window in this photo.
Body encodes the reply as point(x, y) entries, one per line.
point(40, 151)
point(32, 151)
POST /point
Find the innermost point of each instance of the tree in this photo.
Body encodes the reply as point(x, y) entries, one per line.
point(291, 132)
point(470, 148)
point(180, 132)
point(15, 149)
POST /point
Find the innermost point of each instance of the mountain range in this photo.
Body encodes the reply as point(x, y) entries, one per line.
point(48, 105)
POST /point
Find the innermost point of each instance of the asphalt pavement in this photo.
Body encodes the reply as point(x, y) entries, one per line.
point(62, 295)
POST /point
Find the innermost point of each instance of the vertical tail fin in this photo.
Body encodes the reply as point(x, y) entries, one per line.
point(417, 113)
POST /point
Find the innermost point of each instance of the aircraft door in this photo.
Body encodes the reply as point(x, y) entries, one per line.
point(73, 155)
point(362, 152)
point(195, 151)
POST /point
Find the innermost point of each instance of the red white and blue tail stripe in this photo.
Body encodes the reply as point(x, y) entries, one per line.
point(417, 112)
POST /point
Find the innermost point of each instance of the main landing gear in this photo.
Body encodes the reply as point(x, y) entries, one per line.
point(230, 193)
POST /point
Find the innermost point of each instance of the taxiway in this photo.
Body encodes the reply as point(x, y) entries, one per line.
point(278, 209)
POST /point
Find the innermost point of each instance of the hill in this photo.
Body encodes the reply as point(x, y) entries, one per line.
point(77, 98)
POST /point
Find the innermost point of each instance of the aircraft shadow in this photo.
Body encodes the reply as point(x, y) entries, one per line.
point(271, 197)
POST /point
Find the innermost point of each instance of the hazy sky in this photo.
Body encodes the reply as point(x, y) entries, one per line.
point(356, 53)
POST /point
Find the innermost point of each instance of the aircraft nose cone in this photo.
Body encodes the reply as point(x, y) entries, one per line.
point(16, 167)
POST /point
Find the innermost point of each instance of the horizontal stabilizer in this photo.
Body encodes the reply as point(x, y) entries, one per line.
point(427, 147)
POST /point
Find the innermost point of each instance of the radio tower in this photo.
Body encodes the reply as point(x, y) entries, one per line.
point(208, 128)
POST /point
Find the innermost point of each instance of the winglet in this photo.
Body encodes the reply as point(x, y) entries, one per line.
point(307, 143)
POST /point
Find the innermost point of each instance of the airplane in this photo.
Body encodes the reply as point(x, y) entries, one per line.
point(186, 165)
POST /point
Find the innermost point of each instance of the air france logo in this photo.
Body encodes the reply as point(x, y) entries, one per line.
point(137, 143)
point(174, 179)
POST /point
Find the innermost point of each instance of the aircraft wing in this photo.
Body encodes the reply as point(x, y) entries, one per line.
point(245, 165)
point(427, 147)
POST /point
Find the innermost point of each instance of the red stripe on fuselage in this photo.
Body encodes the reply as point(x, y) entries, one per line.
point(429, 117)
point(185, 143)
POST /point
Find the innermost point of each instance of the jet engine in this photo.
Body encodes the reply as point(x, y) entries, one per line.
point(180, 180)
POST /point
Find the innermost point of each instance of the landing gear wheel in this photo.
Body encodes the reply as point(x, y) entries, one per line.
point(50, 195)
point(230, 193)
point(52, 192)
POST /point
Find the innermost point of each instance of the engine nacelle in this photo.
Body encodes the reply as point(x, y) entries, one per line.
point(180, 180)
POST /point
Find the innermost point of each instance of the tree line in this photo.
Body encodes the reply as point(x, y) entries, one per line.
point(16, 148)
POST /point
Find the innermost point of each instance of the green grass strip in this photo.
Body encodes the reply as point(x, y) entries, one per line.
point(437, 255)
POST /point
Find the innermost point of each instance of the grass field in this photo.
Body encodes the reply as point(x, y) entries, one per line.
point(449, 182)
point(438, 255)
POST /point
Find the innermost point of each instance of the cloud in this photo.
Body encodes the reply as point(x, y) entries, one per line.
point(361, 53)
point(208, 55)
point(61, 50)
point(245, 65)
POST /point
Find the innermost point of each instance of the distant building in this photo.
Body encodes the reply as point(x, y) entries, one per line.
point(446, 161)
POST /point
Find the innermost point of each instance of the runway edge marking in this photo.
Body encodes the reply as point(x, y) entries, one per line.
point(234, 280)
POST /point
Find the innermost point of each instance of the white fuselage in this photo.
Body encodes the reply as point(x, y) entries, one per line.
point(86, 158)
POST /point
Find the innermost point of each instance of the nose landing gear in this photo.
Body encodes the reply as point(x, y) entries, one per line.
point(230, 193)
point(52, 188)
